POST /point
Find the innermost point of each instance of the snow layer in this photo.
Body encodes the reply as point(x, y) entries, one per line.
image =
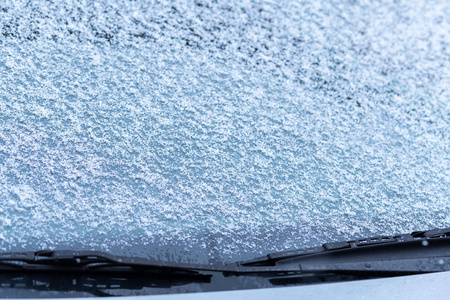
point(217, 130)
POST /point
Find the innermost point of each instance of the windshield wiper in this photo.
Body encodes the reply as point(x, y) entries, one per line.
point(415, 253)
point(93, 262)
point(104, 274)
point(418, 252)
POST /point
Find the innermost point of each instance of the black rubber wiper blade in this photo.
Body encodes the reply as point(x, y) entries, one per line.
point(93, 261)
point(418, 252)
point(272, 258)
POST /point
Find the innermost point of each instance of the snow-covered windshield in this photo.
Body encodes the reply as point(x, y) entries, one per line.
point(209, 131)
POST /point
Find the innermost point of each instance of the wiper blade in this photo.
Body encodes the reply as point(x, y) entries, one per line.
point(418, 252)
point(92, 262)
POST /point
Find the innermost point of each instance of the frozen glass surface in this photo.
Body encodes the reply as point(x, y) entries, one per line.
point(217, 130)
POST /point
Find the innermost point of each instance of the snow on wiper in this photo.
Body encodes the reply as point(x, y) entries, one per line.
point(418, 252)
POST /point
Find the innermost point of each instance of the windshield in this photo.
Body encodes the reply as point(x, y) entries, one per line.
point(214, 131)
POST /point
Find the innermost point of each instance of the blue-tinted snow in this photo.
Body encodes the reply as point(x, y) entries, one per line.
point(213, 130)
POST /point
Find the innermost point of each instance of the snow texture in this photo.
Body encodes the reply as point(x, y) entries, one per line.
point(217, 130)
